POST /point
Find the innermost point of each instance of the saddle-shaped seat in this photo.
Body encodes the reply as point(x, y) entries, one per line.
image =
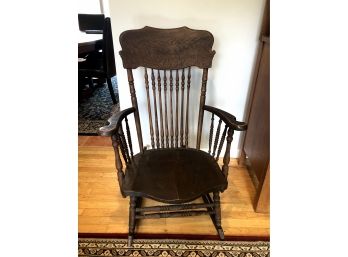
point(173, 175)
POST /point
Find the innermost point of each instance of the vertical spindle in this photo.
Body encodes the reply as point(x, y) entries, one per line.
point(160, 107)
point(211, 131)
point(217, 135)
point(129, 138)
point(149, 109)
point(155, 108)
point(124, 145)
point(182, 108)
point(171, 111)
point(165, 107)
point(222, 140)
point(177, 109)
point(187, 106)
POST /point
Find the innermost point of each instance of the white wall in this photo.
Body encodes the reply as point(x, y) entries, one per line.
point(93, 7)
point(235, 25)
point(88, 6)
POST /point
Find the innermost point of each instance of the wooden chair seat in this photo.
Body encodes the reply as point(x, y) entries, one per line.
point(173, 175)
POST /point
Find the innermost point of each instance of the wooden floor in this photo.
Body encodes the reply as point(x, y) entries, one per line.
point(103, 210)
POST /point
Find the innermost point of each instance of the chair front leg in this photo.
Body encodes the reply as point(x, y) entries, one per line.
point(132, 206)
point(216, 198)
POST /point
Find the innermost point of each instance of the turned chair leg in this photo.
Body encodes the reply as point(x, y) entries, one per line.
point(217, 208)
point(112, 94)
point(132, 205)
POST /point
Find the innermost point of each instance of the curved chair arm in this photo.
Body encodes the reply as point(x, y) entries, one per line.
point(113, 130)
point(231, 124)
point(114, 122)
point(228, 118)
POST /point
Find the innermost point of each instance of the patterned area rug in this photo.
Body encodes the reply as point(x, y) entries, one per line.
point(95, 110)
point(166, 248)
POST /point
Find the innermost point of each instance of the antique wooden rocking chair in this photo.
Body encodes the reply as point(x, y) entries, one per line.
point(171, 172)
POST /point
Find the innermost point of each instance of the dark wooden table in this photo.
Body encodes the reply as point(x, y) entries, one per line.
point(88, 42)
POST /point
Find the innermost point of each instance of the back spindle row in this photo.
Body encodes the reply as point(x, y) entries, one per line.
point(164, 128)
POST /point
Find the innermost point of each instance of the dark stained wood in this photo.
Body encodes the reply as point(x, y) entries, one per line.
point(228, 118)
point(166, 48)
point(155, 107)
point(118, 163)
point(187, 106)
point(222, 140)
point(201, 104)
point(257, 138)
point(135, 105)
point(165, 108)
point(160, 107)
point(207, 199)
point(218, 214)
point(172, 214)
point(256, 141)
point(174, 207)
point(149, 108)
point(177, 109)
point(182, 108)
point(226, 159)
point(171, 111)
point(124, 146)
point(265, 27)
point(181, 175)
point(132, 206)
point(172, 173)
point(129, 138)
point(211, 131)
point(217, 135)
point(114, 122)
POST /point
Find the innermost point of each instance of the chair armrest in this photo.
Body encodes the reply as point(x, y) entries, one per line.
point(114, 122)
point(228, 118)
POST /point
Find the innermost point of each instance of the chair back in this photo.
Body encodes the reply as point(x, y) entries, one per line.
point(91, 23)
point(167, 56)
point(108, 49)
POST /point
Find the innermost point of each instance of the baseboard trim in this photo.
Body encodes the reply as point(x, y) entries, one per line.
point(173, 236)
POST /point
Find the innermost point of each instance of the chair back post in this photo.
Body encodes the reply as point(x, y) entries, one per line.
point(108, 49)
point(201, 104)
point(135, 105)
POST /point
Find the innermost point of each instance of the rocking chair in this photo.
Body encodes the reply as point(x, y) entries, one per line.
point(171, 171)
